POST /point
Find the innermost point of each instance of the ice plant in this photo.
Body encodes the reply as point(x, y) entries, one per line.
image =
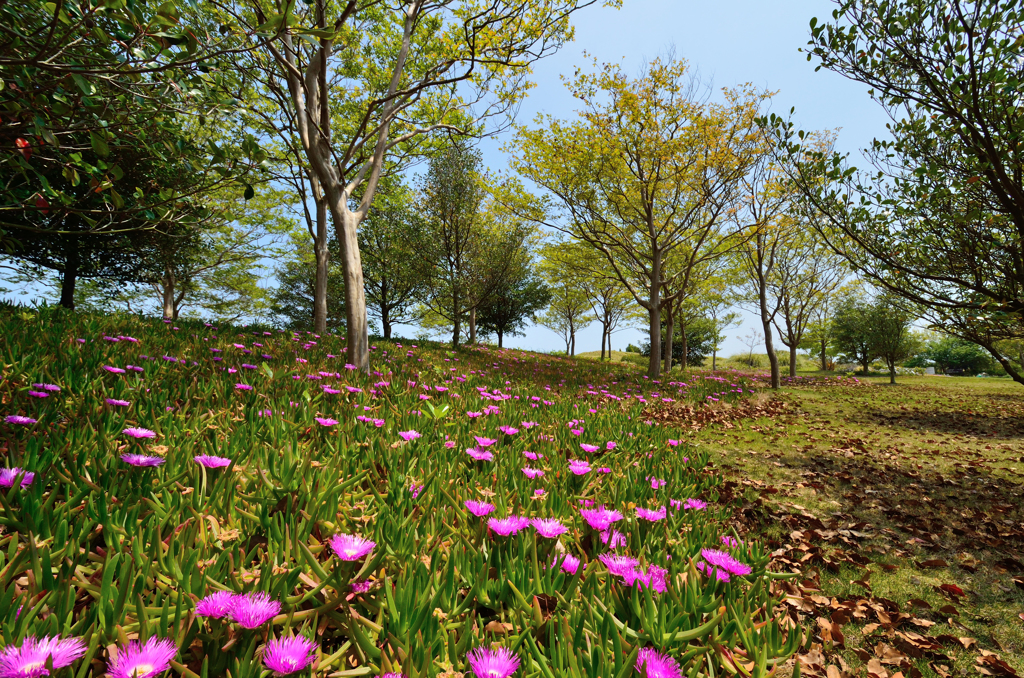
point(326, 421)
point(654, 578)
point(137, 433)
point(508, 526)
point(532, 472)
point(652, 516)
point(479, 455)
point(350, 546)
point(549, 528)
point(210, 461)
point(570, 563)
point(118, 403)
point(479, 508)
point(652, 664)
point(29, 659)
point(500, 663)
point(19, 420)
point(284, 656)
point(618, 565)
point(409, 435)
point(253, 610)
point(143, 660)
point(142, 460)
point(589, 448)
point(724, 561)
point(216, 605)
point(579, 467)
point(484, 442)
point(601, 518)
point(9, 475)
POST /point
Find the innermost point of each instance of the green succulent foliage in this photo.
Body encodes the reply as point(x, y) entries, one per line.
point(99, 549)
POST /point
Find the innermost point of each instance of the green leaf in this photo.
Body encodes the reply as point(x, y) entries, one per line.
point(99, 144)
point(250, 193)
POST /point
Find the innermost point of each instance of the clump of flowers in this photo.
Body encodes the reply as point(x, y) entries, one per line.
point(508, 526)
point(210, 461)
point(478, 508)
point(143, 660)
point(284, 656)
point(652, 664)
point(253, 610)
point(9, 475)
point(28, 660)
point(722, 565)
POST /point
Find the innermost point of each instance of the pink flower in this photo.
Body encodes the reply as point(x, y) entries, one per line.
point(243, 387)
point(216, 605)
point(673, 443)
point(478, 508)
point(601, 518)
point(579, 467)
point(508, 430)
point(29, 659)
point(118, 403)
point(653, 578)
point(613, 538)
point(652, 516)
point(549, 528)
point(618, 565)
point(508, 526)
point(143, 660)
point(141, 460)
point(210, 461)
point(285, 656)
point(139, 433)
point(326, 421)
point(729, 540)
point(721, 560)
point(410, 435)
point(652, 664)
point(532, 472)
point(449, 444)
point(589, 448)
point(609, 445)
point(20, 420)
point(569, 563)
point(484, 442)
point(253, 610)
point(9, 475)
point(479, 455)
point(500, 663)
point(350, 546)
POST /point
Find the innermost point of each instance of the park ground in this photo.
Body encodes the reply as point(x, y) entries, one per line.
point(903, 506)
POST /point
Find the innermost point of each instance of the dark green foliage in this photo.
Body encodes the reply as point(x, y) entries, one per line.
point(699, 341)
point(293, 299)
point(952, 355)
point(509, 307)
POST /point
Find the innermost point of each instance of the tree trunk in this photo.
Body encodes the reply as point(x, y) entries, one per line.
point(500, 334)
point(769, 344)
point(572, 351)
point(792, 360)
point(168, 290)
point(714, 358)
point(472, 325)
point(70, 277)
point(892, 373)
point(603, 332)
point(670, 332)
point(824, 360)
point(654, 312)
point(456, 330)
point(323, 259)
point(357, 336)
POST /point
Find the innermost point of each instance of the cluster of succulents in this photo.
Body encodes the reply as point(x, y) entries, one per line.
point(481, 512)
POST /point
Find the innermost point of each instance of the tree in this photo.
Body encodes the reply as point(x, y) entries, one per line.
point(806, 272)
point(698, 341)
point(716, 307)
point(518, 299)
point(852, 326)
point(649, 168)
point(401, 72)
point(569, 309)
point(890, 335)
point(944, 199)
point(952, 354)
point(392, 241)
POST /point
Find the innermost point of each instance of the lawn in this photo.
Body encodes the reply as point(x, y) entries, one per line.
point(901, 506)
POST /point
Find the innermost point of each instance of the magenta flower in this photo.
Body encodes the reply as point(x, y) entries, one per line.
point(484, 442)
point(19, 420)
point(326, 421)
point(528, 424)
point(533, 456)
point(284, 656)
point(142, 460)
point(253, 610)
point(29, 660)
point(609, 445)
point(137, 433)
point(39, 394)
point(216, 605)
point(118, 403)
point(695, 504)
point(479, 455)
point(654, 578)
point(656, 483)
point(570, 563)
point(673, 443)
point(479, 508)
point(613, 538)
point(729, 540)
point(410, 435)
point(143, 660)
point(618, 565)
point(579, 467)
point(601, 518)
point(210, 461)
point(449, 444)
point(652, 516)
point(720, 560)
point(549, 528)
point(508, 430)
point(498, 663)
point(113, 370)
point(351, 546)
point(508, 526)
point(243, 387)
point(532, 472)
point(52, 388)
point(652, 664)
point(9, 475)
point(588, 448)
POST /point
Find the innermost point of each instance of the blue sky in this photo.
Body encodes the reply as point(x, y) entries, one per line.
point(730, 42)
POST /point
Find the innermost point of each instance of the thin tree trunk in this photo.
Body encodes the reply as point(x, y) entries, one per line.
point(769, 344)
point(572, 352)
point(168, 294)
point(892, 373)
point(385, 322)
point(472, 325)
point(603, 326)
point(714, 358)
point(70, 277)
point(654, 313)
point(500, 334)
point(323, 259)
point(792, 360)
point(824, 359)
point(670, 329)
